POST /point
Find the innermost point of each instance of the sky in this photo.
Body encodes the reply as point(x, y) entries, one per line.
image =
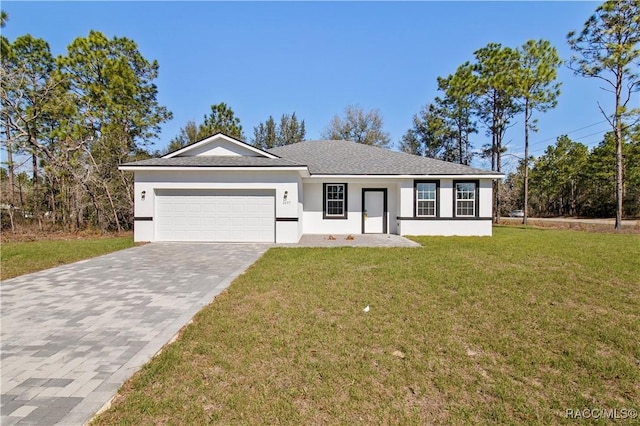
point(314, 58)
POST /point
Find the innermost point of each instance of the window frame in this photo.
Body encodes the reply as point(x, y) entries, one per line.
point(476, 199)
point(325, 200)
point(437, 199)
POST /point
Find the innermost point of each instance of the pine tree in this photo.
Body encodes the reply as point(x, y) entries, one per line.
point(607, 49)
point(539, 62)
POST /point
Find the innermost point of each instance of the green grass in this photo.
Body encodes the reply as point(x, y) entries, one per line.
point(25, 257)
point(512, 329)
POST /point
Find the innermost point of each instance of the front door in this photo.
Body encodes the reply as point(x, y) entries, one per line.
point(374, 215)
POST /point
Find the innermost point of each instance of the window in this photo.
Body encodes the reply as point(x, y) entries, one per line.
point(335, 200)
point(426, 199)
point(466, 199)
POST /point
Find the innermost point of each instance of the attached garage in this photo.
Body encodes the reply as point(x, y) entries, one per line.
point(215, 215)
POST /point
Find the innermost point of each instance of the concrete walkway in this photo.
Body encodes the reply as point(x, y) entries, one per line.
point(72, 335)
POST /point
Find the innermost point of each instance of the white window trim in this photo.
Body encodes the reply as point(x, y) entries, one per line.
point(434, 200)
point(326, 213)
point(474, 200)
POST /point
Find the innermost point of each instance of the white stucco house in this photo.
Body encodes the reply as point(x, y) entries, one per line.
point(222, 189)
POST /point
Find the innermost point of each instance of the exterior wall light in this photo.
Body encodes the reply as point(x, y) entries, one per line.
point(143, 195)
point(286, 195)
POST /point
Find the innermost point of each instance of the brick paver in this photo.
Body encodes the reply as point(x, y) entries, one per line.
point(72, 335)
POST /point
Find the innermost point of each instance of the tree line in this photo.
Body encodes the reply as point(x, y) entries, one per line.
point(503, 83)
point(75, 117)
point(570, 179)
point(68, 121)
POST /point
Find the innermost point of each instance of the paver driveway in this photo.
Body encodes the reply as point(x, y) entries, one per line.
point(72, 335)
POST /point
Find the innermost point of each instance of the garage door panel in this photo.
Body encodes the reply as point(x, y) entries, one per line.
point(203, 215)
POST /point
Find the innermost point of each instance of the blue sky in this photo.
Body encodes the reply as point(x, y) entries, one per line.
point(315, 58)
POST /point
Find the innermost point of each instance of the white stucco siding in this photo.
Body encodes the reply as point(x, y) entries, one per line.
point(406, 198)
point(446, 227)
point(280, 182)
point(486, 198)
point(313, 199)
point(446, 197)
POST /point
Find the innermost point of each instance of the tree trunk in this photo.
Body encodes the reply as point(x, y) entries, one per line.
point(460, 146)
point(619, 169)
point(498, 182)
point(10, 169)
point(36, 188)
point(106, 189)
point(526, 163)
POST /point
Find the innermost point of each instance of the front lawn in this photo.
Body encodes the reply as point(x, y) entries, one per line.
point(518, 328)
point(19, 258)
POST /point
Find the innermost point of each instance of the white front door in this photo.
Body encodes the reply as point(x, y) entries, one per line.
point(374, 217)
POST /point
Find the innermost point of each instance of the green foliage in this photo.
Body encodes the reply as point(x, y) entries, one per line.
point(557, 177)
point(28, 88)
point(632, 174)
point(608, 46)
point(113, 85)
point(358, 126)
point(568, 179)
point(410, 142)
point(79, 116)
point(497, 70)
point(221, 119)
point(269, 135)
point(188, 134)
point(431, 134)
point(536, 82)
point(290, 130)
point(265, 135)
point(5, 45)
point(458, 107)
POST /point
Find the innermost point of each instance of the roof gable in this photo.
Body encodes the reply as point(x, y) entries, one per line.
point(220, 145)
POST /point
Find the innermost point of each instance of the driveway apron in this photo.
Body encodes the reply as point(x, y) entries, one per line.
point(72, 335)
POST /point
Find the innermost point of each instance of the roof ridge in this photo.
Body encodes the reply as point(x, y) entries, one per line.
point(350, 157)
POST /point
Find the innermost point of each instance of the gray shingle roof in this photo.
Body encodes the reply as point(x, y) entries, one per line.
point(327, 158)
point(332, 157)
point(215, 161)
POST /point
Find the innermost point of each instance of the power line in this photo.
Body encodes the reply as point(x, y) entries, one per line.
point(568, 133)
point(593, 134)
point(581, 139)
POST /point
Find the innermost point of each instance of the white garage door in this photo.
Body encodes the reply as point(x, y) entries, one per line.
point(221, 216)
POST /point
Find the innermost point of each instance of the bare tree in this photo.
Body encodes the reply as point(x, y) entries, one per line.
point(358, 126)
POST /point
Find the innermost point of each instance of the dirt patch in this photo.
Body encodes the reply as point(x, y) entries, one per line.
point(29, 235)
point(574, 224)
